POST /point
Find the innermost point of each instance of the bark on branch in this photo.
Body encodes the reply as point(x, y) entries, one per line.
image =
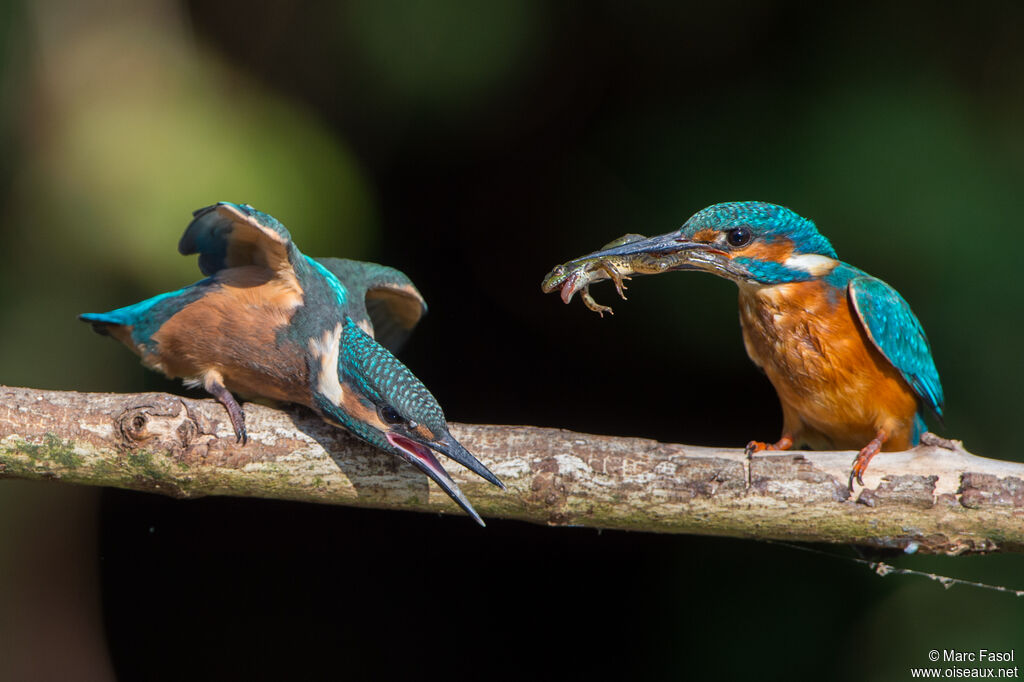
point(937, 498)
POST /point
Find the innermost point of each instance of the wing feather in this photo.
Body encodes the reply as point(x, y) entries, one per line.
point(897, 334)
point(229, 235)
point(381, 297)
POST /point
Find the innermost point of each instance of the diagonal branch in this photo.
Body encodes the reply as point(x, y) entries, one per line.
point(937, 498)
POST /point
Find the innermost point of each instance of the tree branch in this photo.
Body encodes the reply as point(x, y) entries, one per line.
point(937, 498)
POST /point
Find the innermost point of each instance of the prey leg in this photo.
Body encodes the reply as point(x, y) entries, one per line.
point(214, 385)
point(615, 277)
point(589, 301)
point(860, 463)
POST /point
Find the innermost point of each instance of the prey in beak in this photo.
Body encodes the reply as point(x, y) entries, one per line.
point(632, 254)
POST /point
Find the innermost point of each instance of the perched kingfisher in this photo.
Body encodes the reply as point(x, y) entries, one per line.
point(847, 357)
point(269, 321)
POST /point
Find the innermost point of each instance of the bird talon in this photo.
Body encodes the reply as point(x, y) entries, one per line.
point(855, 476)
point(860, 462)
point(755, 446)
point(215, 387)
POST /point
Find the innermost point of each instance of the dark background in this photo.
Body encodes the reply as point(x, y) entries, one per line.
point(474, 146)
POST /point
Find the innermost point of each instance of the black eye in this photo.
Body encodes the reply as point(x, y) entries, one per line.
point(390, 415)
point(738, 236)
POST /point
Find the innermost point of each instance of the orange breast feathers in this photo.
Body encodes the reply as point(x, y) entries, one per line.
point(837, 390)
point(232, 331)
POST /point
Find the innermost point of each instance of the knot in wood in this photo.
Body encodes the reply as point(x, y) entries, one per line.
point(159, 418)
point(131, 425)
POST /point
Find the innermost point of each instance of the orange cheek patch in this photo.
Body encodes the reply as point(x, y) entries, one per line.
point(355, 408)
point(705, 236)
point(776, 251)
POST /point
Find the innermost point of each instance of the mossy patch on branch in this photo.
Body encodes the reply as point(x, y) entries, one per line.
point(53, 449)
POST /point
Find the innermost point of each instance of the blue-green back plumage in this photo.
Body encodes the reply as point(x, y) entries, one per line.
point(380, 295)
point(896, 332)
point(337, 287)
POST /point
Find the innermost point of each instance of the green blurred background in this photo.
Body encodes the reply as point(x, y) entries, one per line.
point(474, 145)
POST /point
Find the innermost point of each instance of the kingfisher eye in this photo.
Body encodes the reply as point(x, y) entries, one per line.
point(390, 415)
point(738, 236)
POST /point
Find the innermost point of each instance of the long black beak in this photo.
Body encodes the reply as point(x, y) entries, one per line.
point(689, 255)
point(419, 454)
point(665, 243)
point(451, 448)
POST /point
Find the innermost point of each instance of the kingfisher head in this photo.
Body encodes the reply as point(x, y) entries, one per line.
point(745, 241)
point(360, 385)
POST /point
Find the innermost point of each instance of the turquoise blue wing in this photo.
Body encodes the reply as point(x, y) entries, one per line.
point(143, 319)
point(381, 297)
point(229, 235)
point(898, 335)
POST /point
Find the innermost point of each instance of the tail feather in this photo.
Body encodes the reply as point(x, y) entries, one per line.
point(101, 322)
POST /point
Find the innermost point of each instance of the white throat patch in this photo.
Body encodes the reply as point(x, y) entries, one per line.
point(325, 350)
point(811, 263)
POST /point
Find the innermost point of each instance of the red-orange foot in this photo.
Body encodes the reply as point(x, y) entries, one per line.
point(860, 463)
point(784, 443)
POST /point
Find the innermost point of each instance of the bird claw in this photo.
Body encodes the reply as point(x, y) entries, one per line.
point(237, 418)
point(860, 462)
point(755, 446)
point(855, 476)
point(234, 410)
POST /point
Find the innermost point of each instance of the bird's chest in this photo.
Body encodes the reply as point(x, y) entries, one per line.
point(805, 338)
point(836, 388)
point(798, 326)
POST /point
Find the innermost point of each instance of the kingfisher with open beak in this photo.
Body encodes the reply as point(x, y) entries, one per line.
point(847, 357)
point(268, 321)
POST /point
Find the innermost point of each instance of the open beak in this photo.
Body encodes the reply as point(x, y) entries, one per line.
point(451, 448)
point(419, 454)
